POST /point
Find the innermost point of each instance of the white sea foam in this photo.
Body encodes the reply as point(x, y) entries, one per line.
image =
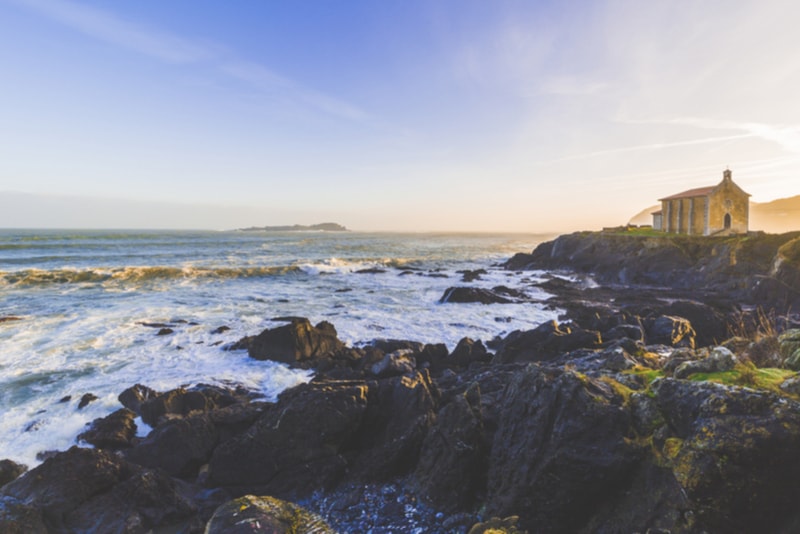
point(81, 324)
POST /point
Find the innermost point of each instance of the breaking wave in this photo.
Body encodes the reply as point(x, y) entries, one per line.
point(38, 277)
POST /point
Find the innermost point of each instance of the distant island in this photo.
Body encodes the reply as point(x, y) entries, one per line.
point(322, 227)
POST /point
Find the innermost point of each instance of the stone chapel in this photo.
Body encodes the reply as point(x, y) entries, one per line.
point(717, 210)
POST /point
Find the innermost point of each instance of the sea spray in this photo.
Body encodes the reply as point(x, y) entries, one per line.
point(85, 299)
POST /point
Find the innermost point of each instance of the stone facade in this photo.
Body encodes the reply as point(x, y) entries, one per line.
point(723, 208)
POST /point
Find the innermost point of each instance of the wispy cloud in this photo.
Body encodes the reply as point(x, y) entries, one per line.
point(652, 146)
point(265, 79)
point(107, 27)
point(169, 48)
point(787, 136)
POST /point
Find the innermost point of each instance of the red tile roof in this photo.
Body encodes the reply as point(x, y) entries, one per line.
point(699, 192)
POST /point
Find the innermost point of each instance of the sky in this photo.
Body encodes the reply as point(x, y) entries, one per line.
point(390, 115)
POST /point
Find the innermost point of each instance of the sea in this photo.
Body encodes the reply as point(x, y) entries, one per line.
point(81, 311)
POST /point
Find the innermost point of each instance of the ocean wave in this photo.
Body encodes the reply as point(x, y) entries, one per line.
point(39, 277)
point(341, 266)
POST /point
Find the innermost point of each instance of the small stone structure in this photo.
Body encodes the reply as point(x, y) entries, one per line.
point(720, 209)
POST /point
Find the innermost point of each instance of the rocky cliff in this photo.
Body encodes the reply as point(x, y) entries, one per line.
point(758, 268)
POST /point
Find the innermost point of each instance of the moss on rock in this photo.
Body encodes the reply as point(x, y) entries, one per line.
point(267, 515)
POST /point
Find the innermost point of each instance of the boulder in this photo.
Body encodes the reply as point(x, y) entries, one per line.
point(10, 470)
point(468, 352)
point(297, 445)
point(624, 331)
point(90, 490)
point(297, 343)
point(86, 399)
point(133, 397)
point(178, 446)
point(473, 294)
point(720, 359)
point(400, 362)
point(115, 431)
point(545, 342)
point(789, 344)
point(710, 326)
point(791, 386)
point(183, 401)
point(369, 430)
point(764, 352)
point(433, 356)
point(267, 515)
point(793, 361)
point(670, 331)
point(563, 450)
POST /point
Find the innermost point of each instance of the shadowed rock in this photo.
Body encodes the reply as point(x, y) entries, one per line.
point(115, 431)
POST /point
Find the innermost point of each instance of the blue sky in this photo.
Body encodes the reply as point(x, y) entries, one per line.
point(394, 115)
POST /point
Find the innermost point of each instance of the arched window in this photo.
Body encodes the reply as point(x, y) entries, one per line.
point(727, 220)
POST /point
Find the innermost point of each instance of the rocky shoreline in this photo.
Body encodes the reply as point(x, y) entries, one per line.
point(665, 400)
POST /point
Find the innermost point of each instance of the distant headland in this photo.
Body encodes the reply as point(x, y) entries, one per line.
point(321, 227)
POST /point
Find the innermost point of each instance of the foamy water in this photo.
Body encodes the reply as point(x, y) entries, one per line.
point(85, 300)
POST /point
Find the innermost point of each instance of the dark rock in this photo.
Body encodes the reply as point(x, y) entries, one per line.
point(251, 514)
point(115, 431)
point(156, 325)
point(318, 432)
point(400, 411)
point(472, 275)
point(732, 451)
point(393, 345)
point(467, 352)
point(88, 490)
point(628, 331)
point(371, 270)
point(473, 294)
point(400, 362)
point(617, 359)
point(759, 269)
point(764, 353)
point(83, 490)
point(182, 401)
point(563, 448)
point(720, 359)
point(178, 446)
point(433, 357)
point(671, 331)
point(146, 501)
point(65, 399)
point(451, 472)
point(86, 399)
point(17, 517)
point(165, 332)
point(297, 343)
point(544, 342)
point(10, 470)
point(221, 330)
point(297, 445)
point(711, 327)
point(133, 397)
